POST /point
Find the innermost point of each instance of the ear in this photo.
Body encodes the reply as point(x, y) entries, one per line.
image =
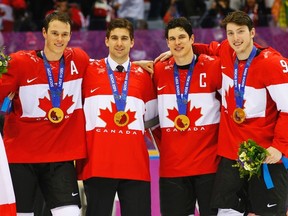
point(132, 43)
point(167, 42)
point(44, 33)
point(192, 39)
point(253, 32)
point(106, 42)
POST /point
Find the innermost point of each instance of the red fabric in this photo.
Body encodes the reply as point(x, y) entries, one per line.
point(16, 4)
point(265, 105)
point(194, 151)
point(28, 134)
point(113, 151)
point(100, 9)
point(8, 209)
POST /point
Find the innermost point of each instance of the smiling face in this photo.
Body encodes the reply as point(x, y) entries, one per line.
point(57, 36)
point(180, 45)
point(119, 43)
point(240, 39)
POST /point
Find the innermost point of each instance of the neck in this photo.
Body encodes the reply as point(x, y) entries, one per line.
point(180, 61)
point(52, 56)
point(119, 61)
point(244, 55)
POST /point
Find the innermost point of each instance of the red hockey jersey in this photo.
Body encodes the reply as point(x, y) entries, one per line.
point(193, 151)
point(29, 136)
point(265, 100)
point(114, 151)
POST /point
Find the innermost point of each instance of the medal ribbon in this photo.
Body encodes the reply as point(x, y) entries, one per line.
point(266, 174)
point(6, 105)
point(120, 100)
point(182, 99)
point(239, 91)
point(55, 90)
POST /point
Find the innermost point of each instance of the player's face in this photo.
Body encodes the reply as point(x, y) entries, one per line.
point(56, 38)
point(179, 43)
point(240, 39)
point(119, 44)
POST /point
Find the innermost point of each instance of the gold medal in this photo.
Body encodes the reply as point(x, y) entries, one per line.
point(239, 115)
point(55, 115)
point(121, 118)
point(182, 122)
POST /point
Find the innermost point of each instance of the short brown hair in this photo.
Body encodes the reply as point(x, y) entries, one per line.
point(120, 23)
point(239, 18)
point(180, 22)
point(62, 17)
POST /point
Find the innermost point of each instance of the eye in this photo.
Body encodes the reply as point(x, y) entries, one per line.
point(65, 35)
point(55, 33)
point(182, 37)
point(113, 38)
point(125, 38)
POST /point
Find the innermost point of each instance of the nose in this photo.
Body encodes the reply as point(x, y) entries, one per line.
point(119, 41)
point(177, 40)
point(59, 38)
point(235, 37)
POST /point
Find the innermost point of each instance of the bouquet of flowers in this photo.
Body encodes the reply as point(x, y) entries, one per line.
point(250, 158)
point(3, 61)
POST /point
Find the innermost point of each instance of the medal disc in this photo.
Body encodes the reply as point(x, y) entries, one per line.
point(182, 122)
point(55, 115)
point(239, 115)
point(121, 118)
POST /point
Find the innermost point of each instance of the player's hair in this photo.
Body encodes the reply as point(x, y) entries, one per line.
point(120, 23)
point(180, 22)
point(239, 18)
point(56, 15)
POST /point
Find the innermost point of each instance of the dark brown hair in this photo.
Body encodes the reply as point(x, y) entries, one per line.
point(62, 17)
point(239, 18)
point(180, 22)
point(120, 23)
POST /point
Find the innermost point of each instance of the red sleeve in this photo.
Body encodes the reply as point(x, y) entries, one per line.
point(9, 80)
point(280, 141)
point(208, 49)
point(19, 4)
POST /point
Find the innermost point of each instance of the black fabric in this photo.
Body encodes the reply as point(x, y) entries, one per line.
point(1, 123)
point(120, 68)
point(134, 196)
point(231, 191)
point(57, 181)
point(178, 195)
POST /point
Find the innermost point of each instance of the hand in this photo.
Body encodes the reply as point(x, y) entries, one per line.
point(146, 65)
point(163, 56)
point(274, 155)
point(11, 95)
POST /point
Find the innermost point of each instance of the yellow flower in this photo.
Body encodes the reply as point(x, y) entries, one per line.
point(250, 158)
point(3, 61)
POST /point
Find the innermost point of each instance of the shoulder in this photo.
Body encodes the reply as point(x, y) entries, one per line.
point(25, 56)
point(96, 66)
point(207, 63)
point(271, 63)
point(270, 57)
point(76, 53)
point(204, 59)
point(139, 71)
point(162, 66)
point(97, 62)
